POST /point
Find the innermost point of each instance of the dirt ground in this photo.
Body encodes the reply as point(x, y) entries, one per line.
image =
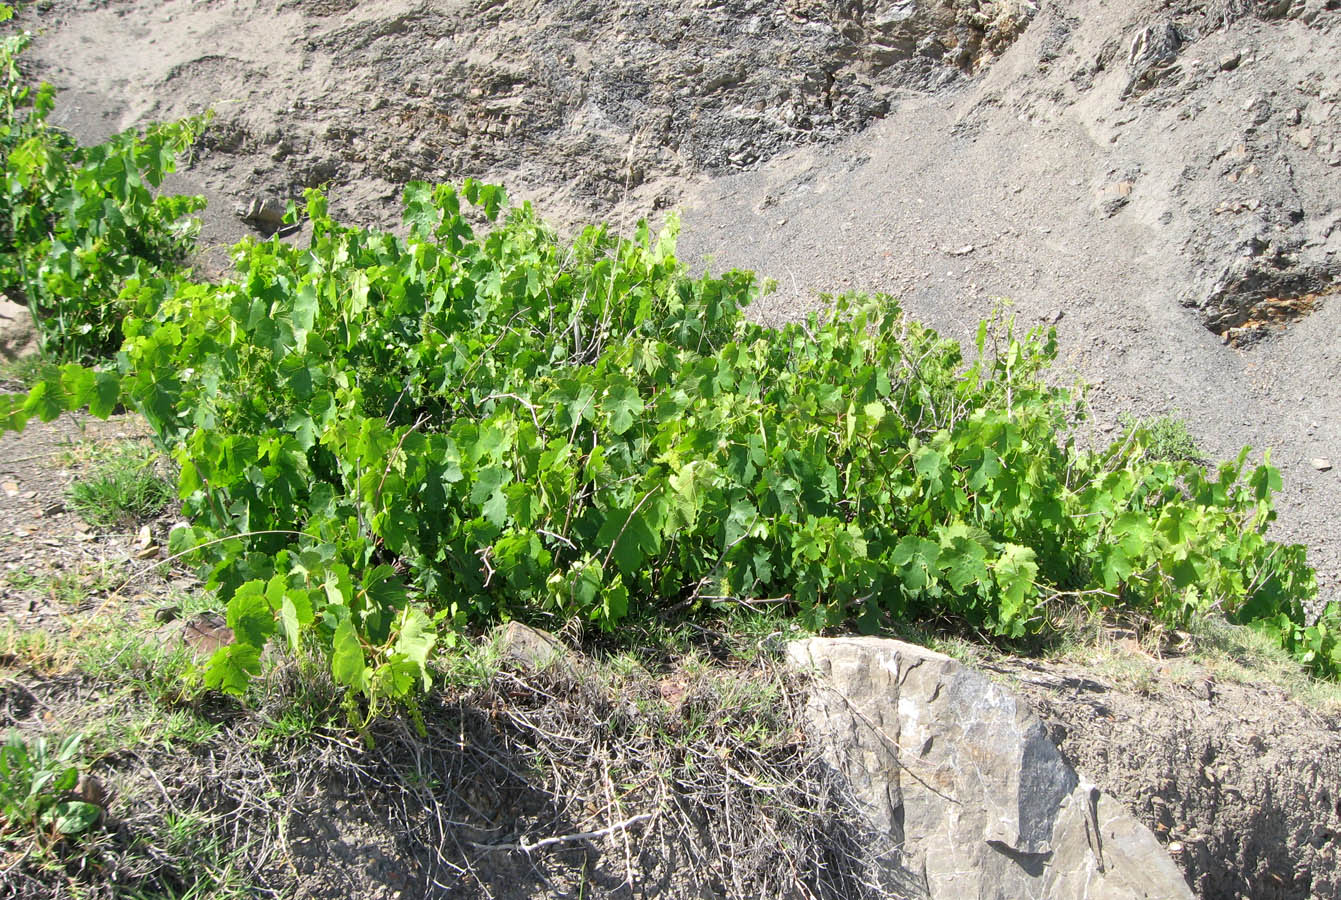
point(54, 565)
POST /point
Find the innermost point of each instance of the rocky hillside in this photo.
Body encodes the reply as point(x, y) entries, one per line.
point(594, 99)
point(1157, 180)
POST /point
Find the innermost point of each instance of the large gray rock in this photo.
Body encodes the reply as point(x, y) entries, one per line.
point(18, 336)
point(962, 779)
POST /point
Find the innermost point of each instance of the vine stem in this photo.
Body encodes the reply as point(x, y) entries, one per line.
point(391, 457)
point(528, 847)
point(161, 562)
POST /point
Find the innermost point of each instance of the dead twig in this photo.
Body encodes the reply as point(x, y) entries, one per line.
point(528, 847)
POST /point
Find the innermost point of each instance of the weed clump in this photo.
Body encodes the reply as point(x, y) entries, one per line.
point(39, 803)
point(1165, 438)
point(124, 488)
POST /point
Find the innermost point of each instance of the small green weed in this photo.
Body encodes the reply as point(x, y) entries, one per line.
point(214, 874)
point(291, 725)
point(74, 588)
point(1166, 438)
point(1245, 654)
point(158, 669)
point(28, 371)
point(36, 792)
point(295, 703)
point(124, 489)
point(469, 665)
point(183, 727)
point(33, 648)
point(159, 728)
point(21, 578)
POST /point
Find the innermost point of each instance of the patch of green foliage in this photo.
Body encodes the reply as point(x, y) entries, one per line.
point(27, 371)
point(381, 439)
point(76, 223)
point(1164, 437)
point(38, 804)
point(123, 489)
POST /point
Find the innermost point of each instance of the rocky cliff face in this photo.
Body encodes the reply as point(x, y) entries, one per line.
point(597, 97)
point(1217, 122)
point(604, 96)
point(1220, 128)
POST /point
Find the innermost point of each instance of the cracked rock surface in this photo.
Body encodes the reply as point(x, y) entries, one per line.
point(964, 782)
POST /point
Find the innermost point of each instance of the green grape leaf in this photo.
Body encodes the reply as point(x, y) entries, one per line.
point(232, 667)
point(963, 561)
point(106, 394)
point(614, 603)
point(422, 214)
point(70, 817)
point(622, 404)
point(1015, 571)
point(630, 536)
point(77, 383)
point(250, 614)
point(930, 466)
point(46, 400)
point(917, 558)
point(415, 641)
point(305, 309)
point(295, 614)
point(349, 665)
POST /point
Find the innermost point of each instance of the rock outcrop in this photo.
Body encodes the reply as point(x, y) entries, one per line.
point(592, 98)
point(962, 779)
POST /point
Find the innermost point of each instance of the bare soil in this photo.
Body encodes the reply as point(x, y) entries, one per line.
point(53, 565)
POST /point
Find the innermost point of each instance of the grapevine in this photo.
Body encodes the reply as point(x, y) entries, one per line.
point(382, 439)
